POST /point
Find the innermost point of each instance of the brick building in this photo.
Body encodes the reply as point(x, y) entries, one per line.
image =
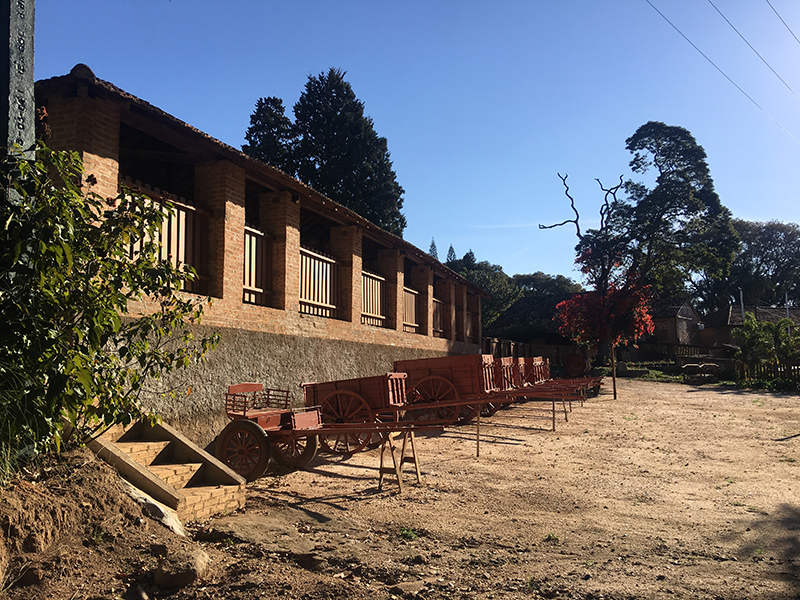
point(304, 289)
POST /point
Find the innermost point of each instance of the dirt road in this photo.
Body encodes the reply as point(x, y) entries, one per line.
point(670, 491)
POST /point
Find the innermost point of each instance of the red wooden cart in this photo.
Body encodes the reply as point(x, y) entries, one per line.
point(263, 426)
point(364, 400)
point(445, 382)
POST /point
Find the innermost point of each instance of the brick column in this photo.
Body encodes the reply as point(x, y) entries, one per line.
point(219, 187)
point(474, 306)
point(279, 218)
point(90, 127)
point(446, 292)
point(421, 279)
point(461, 312)
point(390, 263)
point(346, 249)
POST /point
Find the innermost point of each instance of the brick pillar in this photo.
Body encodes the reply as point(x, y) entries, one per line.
point(390, 263)
point(421, 279)
point(89, 126)
point(461, 312)
point(219, 187)
point(446, 292)
point(279, 217)
point(346, 249)
point(474, 306)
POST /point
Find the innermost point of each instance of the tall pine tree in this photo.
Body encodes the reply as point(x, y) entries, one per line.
point(331, 146)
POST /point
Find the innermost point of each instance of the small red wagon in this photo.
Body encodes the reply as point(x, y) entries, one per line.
point(262, 427)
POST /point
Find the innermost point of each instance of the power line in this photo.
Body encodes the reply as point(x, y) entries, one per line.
point(782, 21)
point(713, 64)
point(788, 87)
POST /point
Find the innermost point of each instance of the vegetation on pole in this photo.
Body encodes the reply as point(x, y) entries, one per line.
point(332, 146)
point(72, 357)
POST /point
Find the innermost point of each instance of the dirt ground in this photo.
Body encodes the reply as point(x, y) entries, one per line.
point(670, 491)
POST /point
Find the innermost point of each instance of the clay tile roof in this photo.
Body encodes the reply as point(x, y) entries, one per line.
point(82, 72)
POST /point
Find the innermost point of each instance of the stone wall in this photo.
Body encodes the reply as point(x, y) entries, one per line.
point(277, 361)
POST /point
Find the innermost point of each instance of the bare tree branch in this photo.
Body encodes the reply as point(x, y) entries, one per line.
point(572, 204)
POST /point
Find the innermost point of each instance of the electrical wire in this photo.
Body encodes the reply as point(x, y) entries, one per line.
point(788, 87)
point(725, 75)
point(782, 21)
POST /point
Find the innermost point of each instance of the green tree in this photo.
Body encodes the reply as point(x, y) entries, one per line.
point(766, 268)
point(678, 229)
point(332, 146)
point(432, 250)
point(451, 254)
point(69, 351)
point(271, 136)
point(542, 284)
point(491, 278)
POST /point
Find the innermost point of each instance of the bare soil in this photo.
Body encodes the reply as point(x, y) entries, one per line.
point(670, 491)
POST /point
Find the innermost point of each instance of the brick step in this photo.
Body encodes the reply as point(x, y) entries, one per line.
point(142, 452)
point(177, 475)
point(204, 501)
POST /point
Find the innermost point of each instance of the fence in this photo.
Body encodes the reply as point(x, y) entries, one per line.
point(410, 324)
point(317, 284)
point(182, 239)
point(373, 299)
point(772, 371)
point(255, 267)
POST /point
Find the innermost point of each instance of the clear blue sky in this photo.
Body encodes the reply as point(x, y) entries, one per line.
point(482, 102)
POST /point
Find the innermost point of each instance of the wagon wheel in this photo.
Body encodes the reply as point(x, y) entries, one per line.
point(244, 447)
point(430, 390)
point(344, 406)
point(293, 452)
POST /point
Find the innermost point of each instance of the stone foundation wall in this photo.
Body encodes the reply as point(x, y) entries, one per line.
point(277, 361)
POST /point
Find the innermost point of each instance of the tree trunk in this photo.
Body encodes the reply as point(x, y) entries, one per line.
point(614, 368)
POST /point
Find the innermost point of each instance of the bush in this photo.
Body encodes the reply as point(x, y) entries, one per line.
point(68, 354)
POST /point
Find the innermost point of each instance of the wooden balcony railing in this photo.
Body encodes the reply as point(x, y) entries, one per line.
point(373, 299)
point(183, 237)
point(317, 284)
point(255, 267)
point(438, 318)
point(410, 323)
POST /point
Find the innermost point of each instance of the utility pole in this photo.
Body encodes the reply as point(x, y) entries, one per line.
point(17, 122)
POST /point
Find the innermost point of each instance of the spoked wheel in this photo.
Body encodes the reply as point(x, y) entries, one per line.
point(343, 406)
point(293, 452)
point(244, 447)
point(431, 390)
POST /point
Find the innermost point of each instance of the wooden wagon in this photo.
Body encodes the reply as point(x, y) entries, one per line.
point(445, 381)
point(262, 427)
point(364, 400)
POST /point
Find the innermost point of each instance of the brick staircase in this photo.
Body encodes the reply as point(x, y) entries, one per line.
point(170, 468)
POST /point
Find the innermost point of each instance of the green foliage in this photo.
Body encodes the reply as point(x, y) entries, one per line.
point(432, 250)
point(678, 228)
point(766, 268)
point(332, 146)
point(408, 533)
point(541, 284)
point(491, 278)
point(763, 341)
point(69, 351)
point(270, 135)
